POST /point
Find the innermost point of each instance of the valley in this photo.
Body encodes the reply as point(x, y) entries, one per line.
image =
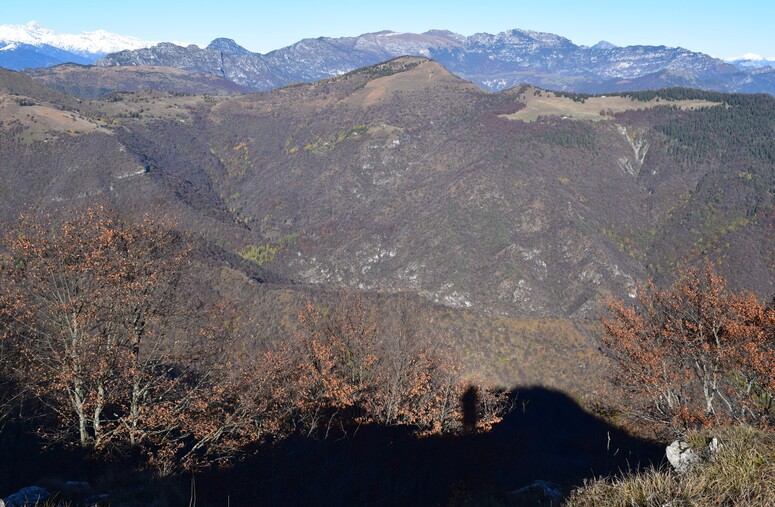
point(402, 178)
point(497, 226)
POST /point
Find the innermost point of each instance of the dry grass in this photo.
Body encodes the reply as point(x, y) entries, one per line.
point(41, 121)
point(542, 103)
point(426, 75)
point(742, 473)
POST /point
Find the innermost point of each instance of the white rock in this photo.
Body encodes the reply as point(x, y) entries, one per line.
point(714, 446)
point(681, 456)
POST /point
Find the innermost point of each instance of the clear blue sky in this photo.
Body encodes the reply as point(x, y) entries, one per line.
point(719, 28)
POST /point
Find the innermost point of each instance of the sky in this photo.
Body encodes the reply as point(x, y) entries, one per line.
point(719, 28)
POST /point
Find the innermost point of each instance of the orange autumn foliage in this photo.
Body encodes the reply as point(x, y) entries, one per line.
point(353, 371)
point(91, 312)
point(695, 354)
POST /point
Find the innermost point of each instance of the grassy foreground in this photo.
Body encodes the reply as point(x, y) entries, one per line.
point(741, 473)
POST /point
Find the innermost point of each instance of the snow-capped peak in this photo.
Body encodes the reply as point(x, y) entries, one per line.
point(753, 57)
point(84, 43)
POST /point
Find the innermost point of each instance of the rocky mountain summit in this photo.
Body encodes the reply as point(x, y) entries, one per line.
point(494, 62)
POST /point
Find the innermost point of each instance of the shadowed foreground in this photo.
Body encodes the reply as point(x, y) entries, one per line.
point(547, 437)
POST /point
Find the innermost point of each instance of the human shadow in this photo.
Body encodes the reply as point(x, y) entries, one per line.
point(548, 437)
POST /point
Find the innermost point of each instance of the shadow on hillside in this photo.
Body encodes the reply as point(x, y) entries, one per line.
point(547, 437)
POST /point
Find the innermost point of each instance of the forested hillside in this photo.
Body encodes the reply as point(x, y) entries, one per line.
point(398, 236)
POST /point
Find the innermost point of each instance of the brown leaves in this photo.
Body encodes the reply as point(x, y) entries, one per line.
point(92, 302)
point(695, 354)
point(353, 369)
point(90, 306)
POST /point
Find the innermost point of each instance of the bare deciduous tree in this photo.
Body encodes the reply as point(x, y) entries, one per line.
point(694, 354)
point(357, 370)
point(90, 305)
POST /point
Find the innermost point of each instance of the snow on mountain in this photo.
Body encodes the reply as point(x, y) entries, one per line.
point(98, 42)
point(748, 56)
point(751, 61)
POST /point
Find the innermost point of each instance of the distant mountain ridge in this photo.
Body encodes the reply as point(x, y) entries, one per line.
point(32, 45)
point(494, 62)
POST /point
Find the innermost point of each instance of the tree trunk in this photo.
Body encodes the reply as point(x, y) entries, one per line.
point(97, 420)
point(78, 406)
point(134, 411)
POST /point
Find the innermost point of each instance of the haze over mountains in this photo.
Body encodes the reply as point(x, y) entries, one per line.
point(751, 61)
point(493, 62)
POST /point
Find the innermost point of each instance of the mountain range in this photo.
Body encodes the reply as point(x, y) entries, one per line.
point(512, 216)
point(501, 222)
point(493, 62)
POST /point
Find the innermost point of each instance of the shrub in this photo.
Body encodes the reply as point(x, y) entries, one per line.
point(695, 354)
